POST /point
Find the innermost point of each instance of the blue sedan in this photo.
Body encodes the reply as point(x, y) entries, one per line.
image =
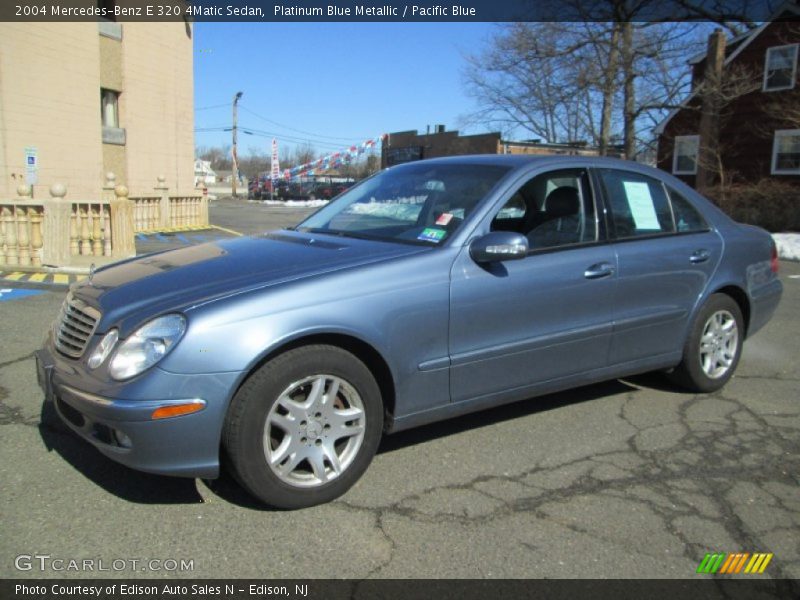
point(430, 290)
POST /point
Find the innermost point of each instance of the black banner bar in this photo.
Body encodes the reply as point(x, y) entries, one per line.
point(389, 10)
point(703, 587)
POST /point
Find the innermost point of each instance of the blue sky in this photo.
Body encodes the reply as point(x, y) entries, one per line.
point(341, 83)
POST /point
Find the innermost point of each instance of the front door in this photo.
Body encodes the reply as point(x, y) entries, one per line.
point(519, 323)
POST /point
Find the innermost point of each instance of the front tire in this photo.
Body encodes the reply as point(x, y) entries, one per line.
point(713, 348)
point(304, 427)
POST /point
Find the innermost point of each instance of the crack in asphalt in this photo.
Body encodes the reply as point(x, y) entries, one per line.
point(705, 463)
point(14, 361)
point(774, 377)
point(707, 456)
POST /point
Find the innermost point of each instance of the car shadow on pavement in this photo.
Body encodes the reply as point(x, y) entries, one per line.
point(144, 488)
point(654, 380)
point(116, 479)
point(482, 418)
point(229, 490)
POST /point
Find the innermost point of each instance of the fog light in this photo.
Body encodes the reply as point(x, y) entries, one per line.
point(122, 440)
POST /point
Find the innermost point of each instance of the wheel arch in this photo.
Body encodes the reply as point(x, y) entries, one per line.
point(362, 350)
point(742, 300)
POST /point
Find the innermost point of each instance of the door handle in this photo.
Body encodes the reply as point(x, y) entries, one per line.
point(700, 256)
point(598, 271)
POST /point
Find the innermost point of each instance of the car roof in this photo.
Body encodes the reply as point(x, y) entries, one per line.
point(522, 161)
point(517, 160)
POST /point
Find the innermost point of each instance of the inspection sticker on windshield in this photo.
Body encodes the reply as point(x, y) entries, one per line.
point(444, 219)
point(429, 234)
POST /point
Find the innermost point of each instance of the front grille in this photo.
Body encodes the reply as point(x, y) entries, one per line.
point(75, 326)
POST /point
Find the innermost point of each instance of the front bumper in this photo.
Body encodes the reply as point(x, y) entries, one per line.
point(116, 418)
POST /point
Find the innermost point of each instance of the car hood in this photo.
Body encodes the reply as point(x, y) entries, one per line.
point(177, 279)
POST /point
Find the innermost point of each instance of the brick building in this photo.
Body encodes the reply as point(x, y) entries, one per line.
point(759, 125)
point(406, 146)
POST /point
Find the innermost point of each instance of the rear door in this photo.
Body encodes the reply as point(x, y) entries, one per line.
point(665, 253)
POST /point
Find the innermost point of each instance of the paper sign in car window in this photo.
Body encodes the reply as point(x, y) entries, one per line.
point(641, 204)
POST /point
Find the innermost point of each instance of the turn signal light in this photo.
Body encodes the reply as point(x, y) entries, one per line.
point(177, 410)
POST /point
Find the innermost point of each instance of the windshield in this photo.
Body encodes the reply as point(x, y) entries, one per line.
point(415, 203)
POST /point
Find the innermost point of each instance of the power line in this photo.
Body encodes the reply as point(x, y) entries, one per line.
point(291, 138)
point(268, 134)
point(318, 135)
point(210, 107)
point(262, 133)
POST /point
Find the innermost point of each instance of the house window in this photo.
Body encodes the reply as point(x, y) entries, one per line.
point(780, 69)
point(684, 159)
point(786, 152)
point(109, 108)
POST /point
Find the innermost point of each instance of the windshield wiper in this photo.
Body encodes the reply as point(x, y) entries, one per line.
point(364, 236)
point(347, 234)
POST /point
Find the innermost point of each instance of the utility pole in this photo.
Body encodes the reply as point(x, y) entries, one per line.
point(235, 161)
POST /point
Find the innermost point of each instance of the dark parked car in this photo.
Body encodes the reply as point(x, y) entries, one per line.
point(432, 289)
point(294, 191)
point(259, 188)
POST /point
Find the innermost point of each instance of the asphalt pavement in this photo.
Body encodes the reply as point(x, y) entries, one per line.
point(625, 479)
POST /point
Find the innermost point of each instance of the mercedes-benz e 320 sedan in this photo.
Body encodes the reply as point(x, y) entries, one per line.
point(429, 290)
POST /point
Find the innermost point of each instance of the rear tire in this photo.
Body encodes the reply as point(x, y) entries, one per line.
point(713, 347)
point(304, 427)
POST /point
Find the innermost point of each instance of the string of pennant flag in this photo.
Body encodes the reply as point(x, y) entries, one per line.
point(330, 161)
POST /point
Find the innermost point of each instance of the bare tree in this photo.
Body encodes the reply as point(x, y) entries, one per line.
point(253, 163)
point(218, 156)
point(304, 154)
point(285, 157)
point(715, 99)
point(592, 80)
point(520, 81)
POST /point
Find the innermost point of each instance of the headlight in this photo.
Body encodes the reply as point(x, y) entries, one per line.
point(103, 349)
point(148, 345)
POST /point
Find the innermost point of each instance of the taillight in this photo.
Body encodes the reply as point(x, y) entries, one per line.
point(773, 263)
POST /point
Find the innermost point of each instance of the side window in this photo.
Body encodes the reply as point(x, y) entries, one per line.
point(639, 204)
point(687, 217)
point(552, 209)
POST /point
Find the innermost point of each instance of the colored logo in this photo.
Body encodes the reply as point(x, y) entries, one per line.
point(722, 563)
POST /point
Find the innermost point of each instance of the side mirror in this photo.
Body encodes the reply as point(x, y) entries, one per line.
point(498, 246)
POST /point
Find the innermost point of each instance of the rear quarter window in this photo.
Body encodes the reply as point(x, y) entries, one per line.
point(687, 217)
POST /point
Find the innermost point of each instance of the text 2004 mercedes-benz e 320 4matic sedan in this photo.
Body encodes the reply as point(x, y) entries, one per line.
point(429, 290)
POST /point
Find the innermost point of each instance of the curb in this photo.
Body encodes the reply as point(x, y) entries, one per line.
point(49, 278)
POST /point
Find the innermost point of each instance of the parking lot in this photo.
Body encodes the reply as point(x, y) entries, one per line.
point(626, 479)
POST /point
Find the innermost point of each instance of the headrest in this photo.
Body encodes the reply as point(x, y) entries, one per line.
point(562, 201)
